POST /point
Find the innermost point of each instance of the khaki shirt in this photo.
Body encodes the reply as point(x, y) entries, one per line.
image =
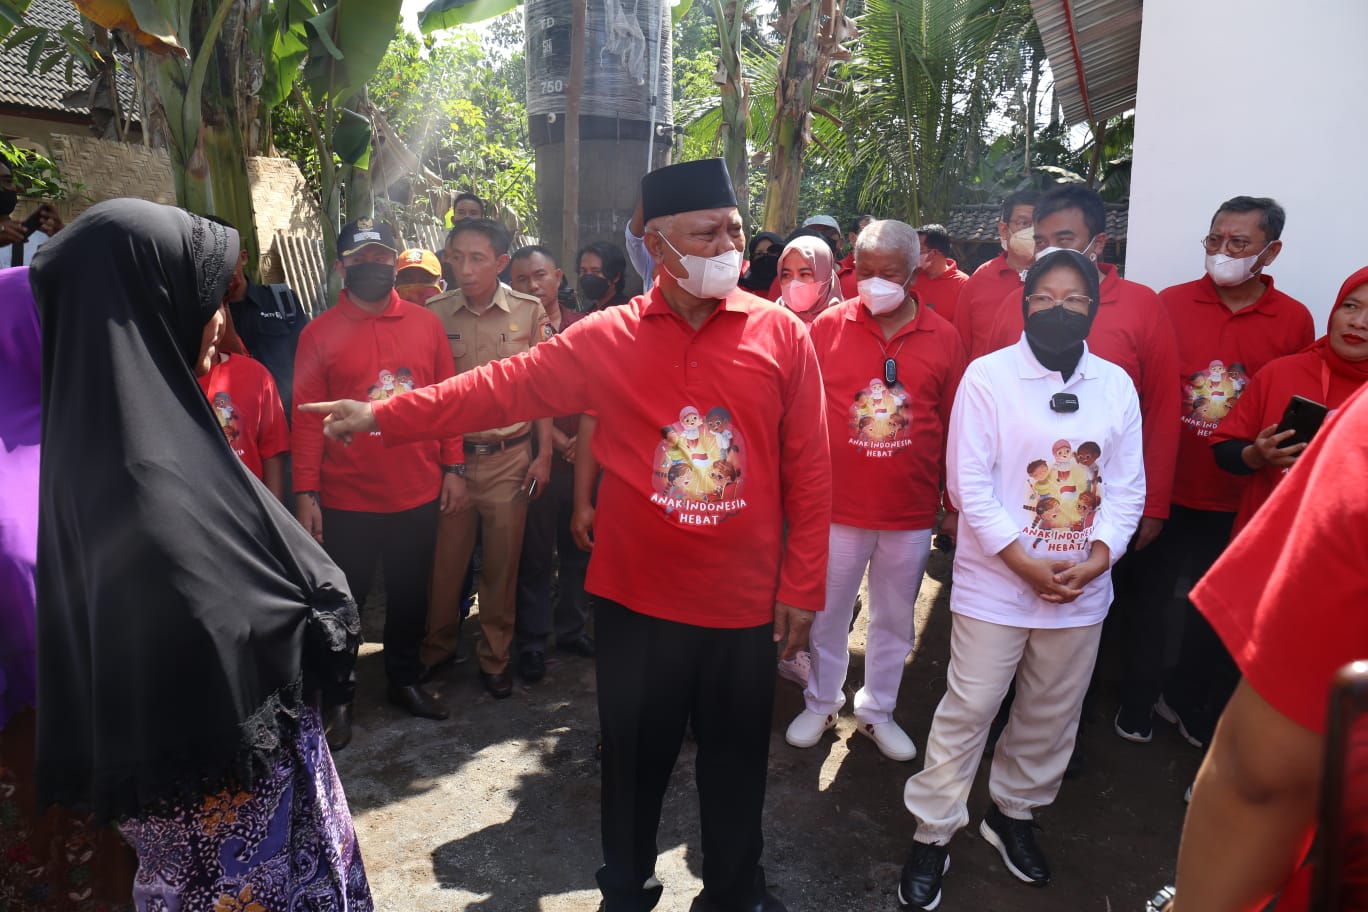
point(513, 323)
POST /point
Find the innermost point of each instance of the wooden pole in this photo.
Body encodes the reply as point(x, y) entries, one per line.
point(573, 91)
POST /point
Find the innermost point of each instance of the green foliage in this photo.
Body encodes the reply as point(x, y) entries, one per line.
point(38, 176)
point(347, 41)
point(444, 14)
point(460, 105)
point(47, 48)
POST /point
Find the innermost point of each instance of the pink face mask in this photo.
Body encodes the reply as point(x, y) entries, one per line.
point(800, 296)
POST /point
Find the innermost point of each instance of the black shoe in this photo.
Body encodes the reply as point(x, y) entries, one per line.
point(1015, 842)
point(337, 726)
point(582, 645)
point(532, 665)
point(499, 684)
point(920, 886)
point(1134, 725)
point(417, 702)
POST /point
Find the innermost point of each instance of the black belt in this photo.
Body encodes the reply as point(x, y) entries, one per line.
point(488, 449)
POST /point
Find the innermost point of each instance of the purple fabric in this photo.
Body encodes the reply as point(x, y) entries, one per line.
point(20, 365)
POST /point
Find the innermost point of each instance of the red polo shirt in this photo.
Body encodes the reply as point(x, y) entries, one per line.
point(716, 493)
point(247, 404)
point(348, 353)
point(978, 303)
point(942, 293)
point(887, 440)
point(1131, 331)
point(1218, 353)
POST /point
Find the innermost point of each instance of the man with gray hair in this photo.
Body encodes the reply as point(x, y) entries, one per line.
point(712, 433)
point(886, 492)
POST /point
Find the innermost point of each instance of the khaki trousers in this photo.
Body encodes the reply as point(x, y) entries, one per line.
point(1052, 669)
point(498, 511)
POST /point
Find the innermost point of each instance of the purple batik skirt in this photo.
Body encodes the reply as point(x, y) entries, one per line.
point(287, 845)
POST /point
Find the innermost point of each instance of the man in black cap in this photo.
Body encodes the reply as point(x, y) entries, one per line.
point(714, 509)
point(368, 503)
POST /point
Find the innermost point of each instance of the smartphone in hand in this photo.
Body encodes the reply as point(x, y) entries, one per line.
point(1304, 417)
point(1341, 866)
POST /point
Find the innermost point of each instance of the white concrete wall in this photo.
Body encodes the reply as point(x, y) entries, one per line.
point(1259, 97)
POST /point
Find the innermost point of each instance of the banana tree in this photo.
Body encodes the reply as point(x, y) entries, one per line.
point(814, 32)
point(735, 92)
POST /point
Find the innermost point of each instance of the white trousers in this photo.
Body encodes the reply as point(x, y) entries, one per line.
point(1052, 670)
point(896, 562)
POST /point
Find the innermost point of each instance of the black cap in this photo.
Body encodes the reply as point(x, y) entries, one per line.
point(362, 233)
point(687, 187)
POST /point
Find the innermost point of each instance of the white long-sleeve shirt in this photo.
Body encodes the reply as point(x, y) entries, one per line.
point(1013, 470)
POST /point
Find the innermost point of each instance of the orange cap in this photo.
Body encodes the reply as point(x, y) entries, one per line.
point(417, 258)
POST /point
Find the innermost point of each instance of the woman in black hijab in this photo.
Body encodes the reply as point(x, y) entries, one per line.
point(186, 617)
point(763, 254)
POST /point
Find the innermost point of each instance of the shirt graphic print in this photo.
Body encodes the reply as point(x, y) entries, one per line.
point(1063, 493)
point(1209, 395)
point(391, 383)
point(698, 467)
point(880, 419)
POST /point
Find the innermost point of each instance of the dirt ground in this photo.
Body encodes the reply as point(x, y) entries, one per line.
point(497, 807)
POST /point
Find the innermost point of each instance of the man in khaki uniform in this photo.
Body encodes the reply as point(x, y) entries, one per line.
point(486, 320)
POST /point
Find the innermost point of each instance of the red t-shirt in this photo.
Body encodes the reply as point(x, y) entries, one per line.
point(247, 403)
point(1218, 353)
point(716, 492)
point(1132, 332)
point(1287, 597)
point(887, 441)
point(942, 293)
point(978, 303)
point(1262, 404)
point(348, 353)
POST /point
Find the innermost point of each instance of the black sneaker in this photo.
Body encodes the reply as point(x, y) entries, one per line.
point(1015, 842)
point(532, 665)
point(1134, 725)
point(920, 886)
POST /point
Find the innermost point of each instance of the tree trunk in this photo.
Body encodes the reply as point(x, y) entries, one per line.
point(573, 91)
point(735, 102)
point(800, 68)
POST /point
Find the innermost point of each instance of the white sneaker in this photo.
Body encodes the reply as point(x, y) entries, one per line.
point(891, 740)
point(797, 668)
point(808, 728)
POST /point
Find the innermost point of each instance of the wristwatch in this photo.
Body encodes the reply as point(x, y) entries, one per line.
point(1160, 901)
point(457, 470)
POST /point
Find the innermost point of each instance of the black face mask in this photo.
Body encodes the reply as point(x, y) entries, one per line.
point(593, 287)
point(1057, 330)
point(370, 282)
point(763, 269)
point(8, 200)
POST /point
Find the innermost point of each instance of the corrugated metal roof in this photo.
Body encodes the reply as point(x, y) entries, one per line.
point(44, 91)
point(1101, 36)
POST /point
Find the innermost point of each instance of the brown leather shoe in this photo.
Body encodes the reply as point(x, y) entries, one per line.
point(499, 684)
point(416, 701)
point(337, 726)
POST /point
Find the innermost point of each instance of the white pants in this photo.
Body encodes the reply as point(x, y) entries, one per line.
point(896, 562)
point(1052, 670)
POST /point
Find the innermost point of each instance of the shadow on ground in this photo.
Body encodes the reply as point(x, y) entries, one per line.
point(497, 808)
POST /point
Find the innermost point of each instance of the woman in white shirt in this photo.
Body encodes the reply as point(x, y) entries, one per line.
point(1032, 578)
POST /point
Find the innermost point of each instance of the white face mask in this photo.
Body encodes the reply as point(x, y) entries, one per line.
point(1021, 244)
point(800, 296)
point(709, 277)
point(880, 296)
point(1227, 271)
point(1041, 254)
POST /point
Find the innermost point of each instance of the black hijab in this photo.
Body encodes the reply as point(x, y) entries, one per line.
point(1048, 351)
point(179, 603)
point(760, 276)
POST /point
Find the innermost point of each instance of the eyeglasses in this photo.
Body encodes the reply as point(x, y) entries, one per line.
point(1236, 246)
point(1077, 303)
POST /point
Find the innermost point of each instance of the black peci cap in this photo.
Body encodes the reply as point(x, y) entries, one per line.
point(687, 187)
